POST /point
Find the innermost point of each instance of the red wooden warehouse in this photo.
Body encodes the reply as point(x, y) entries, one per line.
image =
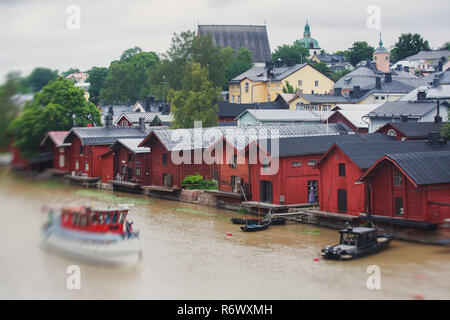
point(411, 186)
point(54, 142)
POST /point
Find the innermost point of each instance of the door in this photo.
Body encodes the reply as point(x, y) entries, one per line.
point(266, 191)
point(342, 200)
point(130, 174)
point(399, 206)
point(314, 186)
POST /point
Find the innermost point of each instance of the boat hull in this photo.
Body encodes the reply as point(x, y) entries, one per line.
point(381, 245)
point(122, 252)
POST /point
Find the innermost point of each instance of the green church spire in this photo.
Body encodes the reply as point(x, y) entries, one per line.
point(381, 41)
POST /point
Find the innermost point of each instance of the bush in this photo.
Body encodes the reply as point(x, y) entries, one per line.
point(198, 182)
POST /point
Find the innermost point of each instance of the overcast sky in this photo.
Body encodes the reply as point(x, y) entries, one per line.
point(35, 33)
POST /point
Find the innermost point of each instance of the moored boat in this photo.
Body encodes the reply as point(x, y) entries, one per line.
point(355, 243)
point(255, 227)
point(99, 236)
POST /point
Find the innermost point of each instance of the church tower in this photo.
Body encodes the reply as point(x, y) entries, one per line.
point(381, 58)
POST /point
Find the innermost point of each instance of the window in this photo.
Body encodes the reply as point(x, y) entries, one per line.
point(235, 183)
point(61, 150)
point(377, 98)
point(238, 99)
point(246, 87)
point(391, 132)
point(61, 160)
point(397, 179)
point(316, 83)
point(232, 99)
point(130, 157)
point(77, 165)
point(167, 180)
point(399, 206)
point(296, 163)
point(383, 97)
point(341, 169)
point(164, 159)
point(300, 82)
point(137, 172)
point(124, 170)
point(81, 149)
point(86, 166)
point(266, 164)
point(233, 163)
point(114, 218)
point(312, 162)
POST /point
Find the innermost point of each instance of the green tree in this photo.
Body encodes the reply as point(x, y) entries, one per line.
point(97, 76)
point(59, 106)
point(322, 67)
point(291, 54)
point(8, 109)
point(446, 128)
point(408, 44)
point(127, 54)
point(127, 81)
point(335, 76)
point(446, 46)
point(70, 71)
point(359, 51)
point(197, 100)
point(240, 64)
point(288, 88)
point(39, 77)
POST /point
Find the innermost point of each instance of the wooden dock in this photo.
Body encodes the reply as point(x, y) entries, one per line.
point(126, 186)
point(275, 207)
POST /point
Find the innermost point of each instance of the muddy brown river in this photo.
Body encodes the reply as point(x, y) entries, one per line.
point(188, 255)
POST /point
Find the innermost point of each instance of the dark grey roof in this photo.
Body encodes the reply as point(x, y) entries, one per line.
point(134, 117)
point(429, 55)
point(131, 144)
point(251, 37)
point(105, 136)
point(303, 145)
point(326, 98)
point(364, 154)
point(425, 167)
point(416, 129)
point(227, 109)
point(406, 108)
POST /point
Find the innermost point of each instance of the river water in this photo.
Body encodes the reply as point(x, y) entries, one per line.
point(188, 255)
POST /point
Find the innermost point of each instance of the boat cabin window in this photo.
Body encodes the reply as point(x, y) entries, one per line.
point(349, 239)
point(114, 218)
point(107, 218)
point(122, 218)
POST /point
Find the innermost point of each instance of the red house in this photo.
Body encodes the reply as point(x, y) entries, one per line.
point(410, 130)
point(130, 162)
point(344, 163)
point(54, 142)
point(187, 145)
point(411, 186)
point(351, 118)
point(89, 145)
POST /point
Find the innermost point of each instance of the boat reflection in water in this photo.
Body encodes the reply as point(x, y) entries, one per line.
point(98, 236)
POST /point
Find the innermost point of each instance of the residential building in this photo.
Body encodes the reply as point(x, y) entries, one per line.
point(272, 117)
point(410, 130)
point(54, 142)
point(263, 84)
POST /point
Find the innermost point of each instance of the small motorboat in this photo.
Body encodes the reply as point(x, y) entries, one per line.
point(355, 243)
point(244, 220)
point(255, 226)
point(99, 236)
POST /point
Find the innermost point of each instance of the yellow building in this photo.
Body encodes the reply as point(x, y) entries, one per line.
point(263, 84)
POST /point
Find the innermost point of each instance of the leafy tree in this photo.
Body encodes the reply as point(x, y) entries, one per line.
point(359, 51)
point(335, 76)
point(59, 106)
point(126, 81)
point(446, 128)
point(127, 54)
point(291, 54)
point(70, 71)
point(97, 76)
point(408, 44)
point(446, 46)
point(322, 67)
point(193, 102)
point(39, 77)
point(240, 64)
point(288, 88)
point(8, 109)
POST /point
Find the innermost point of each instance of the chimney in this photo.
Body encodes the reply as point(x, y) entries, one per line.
point(111, 111)
point(433, 138)
point(403, 118)
point(436, 81)
point(108, 121)
point(399, 67)
point(142, 123)
point(356, 91)
point(421, 95)
point(378, 83)
point(89, 125)
point(338, 91)
point(437, 118)
point(387, 77)
point(440, 65)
